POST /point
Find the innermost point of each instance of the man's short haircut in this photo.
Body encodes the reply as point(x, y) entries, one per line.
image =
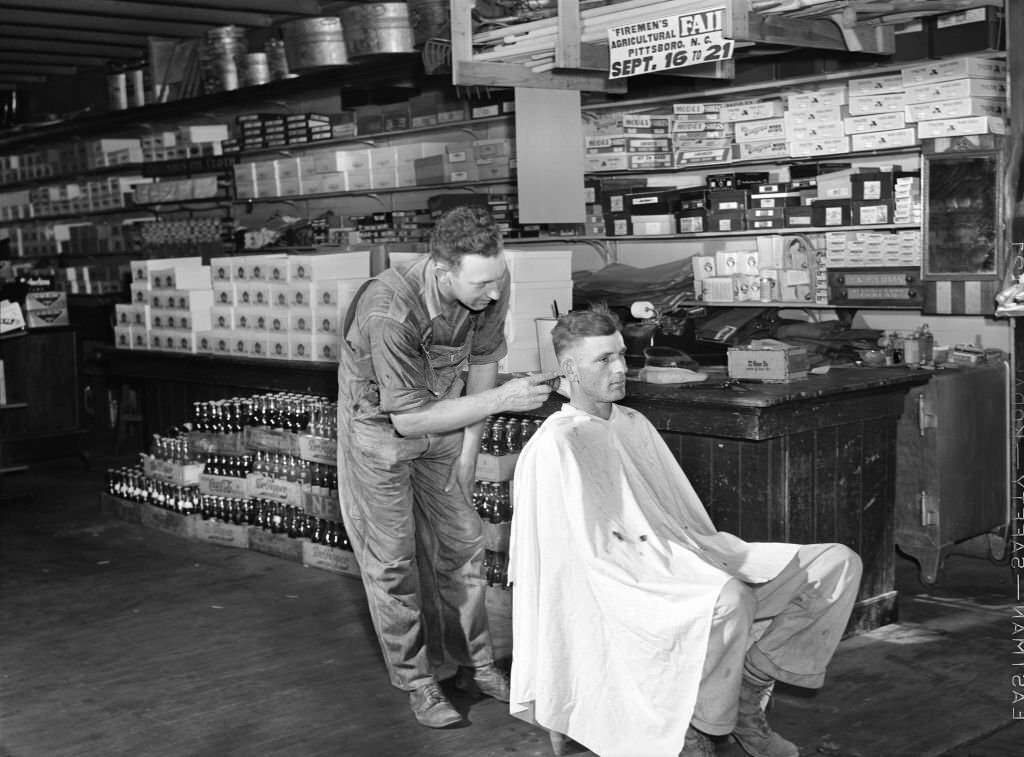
point(464, 230)
point(574, 326)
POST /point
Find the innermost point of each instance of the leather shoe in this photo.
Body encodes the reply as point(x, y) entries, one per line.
point(489, 680)
point(431, 707)
point(697, 744)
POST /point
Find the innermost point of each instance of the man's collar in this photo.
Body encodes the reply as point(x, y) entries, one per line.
point(431, 292)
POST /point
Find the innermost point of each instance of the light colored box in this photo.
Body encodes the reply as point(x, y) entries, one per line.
point(124, 337)
point(301, 347)
point(954, 127)
point(222, 269)
point(771, 149)
point(875, 85)
point(140, 268)
point(539, 265)
point(874, 122)
point(812, 132)
point(279, 295)
point(279, 347)
point(954, 68)
point(245, 318)
point(749, 111)
point(883, 140)
point(325, 347)
point(301, 320)
point(278, 321)
point(253, 293)
point(536, 298)
point(811, 116)
point(301, 293)
point(222, 317)
point(819, 147)
point(326, 319)
point(866, 105)
point(225, 293)
point(961, 108)
point(826, 96)
point(258, 346)
point(759, 131)
point(958, 89)
point(340, 265)
point(259, 267)
point(190, 299)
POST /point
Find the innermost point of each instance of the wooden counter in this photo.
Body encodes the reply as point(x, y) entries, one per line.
point(809, 461)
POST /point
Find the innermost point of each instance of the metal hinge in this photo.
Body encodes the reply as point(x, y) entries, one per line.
point(929, 509)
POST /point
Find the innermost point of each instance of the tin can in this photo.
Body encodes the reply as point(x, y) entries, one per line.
point(911, 351)
point(117, 90)
point(765, 288)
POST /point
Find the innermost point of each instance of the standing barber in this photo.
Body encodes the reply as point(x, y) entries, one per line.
point(407, 447)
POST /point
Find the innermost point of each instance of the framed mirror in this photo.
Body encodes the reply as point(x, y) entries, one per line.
point(963, 224)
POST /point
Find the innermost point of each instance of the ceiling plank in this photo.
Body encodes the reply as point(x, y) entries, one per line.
point(59, 60)
point(275, 7)
point(58, 47)
point(120, 39)
point(79, 21)
point(123, 9)
point(22, 78)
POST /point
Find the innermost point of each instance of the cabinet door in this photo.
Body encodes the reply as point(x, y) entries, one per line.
point(42, 371)
point(951, 479)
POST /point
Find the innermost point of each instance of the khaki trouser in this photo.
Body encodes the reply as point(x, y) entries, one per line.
point(801, 615)
point(420, 550)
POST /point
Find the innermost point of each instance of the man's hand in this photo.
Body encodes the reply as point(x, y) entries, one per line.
point(463, 475)
point(526, 393)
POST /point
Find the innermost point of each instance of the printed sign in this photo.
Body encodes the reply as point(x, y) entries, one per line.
point(647, 47)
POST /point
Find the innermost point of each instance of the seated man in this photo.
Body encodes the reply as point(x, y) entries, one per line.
point(638, 628)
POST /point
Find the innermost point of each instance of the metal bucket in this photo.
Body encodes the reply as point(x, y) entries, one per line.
point(223, 58)
point(257, 71)
point(375, 28)
point(430, 19)
point(312, 43)
point(277, 59)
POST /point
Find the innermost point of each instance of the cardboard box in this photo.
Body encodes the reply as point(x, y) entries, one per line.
point(968, 31)
point(224, 534)
point(954, 68)
point(496, 467)
point(331, 559)
point(767, 360)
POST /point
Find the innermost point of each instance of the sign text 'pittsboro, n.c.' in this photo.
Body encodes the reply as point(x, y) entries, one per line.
point(662, 44)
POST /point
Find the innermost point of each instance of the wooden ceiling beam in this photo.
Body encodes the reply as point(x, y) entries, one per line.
point(37, 68)
point(80, 22)
point(59, 60)
point(274, 7)
point(58, 47)
point(126, 10)
point(22, 78)
point(117, 39)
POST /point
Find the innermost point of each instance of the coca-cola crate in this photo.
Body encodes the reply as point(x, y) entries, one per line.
point(318, 449)
point(168, 521)
point(180, 474)
point(216, 444)
point(271, 440)
point(225, 534)
point(324, 505)
point(496, 467)
point(278, 545)
point(262, 486)
point(329, 558)
point(223, 486)
point(497, 536)
point(122, 509)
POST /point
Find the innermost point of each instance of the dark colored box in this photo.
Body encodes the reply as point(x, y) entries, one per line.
point(762, 214)
point(720, 181)
point(779, 186)
point(618, 225)
point(614, 195)
point(826, 213)
point(766, 223)
point(653, 202)
point(870, 212)
point(727, 220)
point(693, 199)
point(722, 200)
point(968, 31)
point(912, 40)
point(872, 185)
point(774, 199)
point(751, 179)
point(802, 215)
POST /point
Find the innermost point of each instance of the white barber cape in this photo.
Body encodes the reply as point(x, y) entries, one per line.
point(615, 567)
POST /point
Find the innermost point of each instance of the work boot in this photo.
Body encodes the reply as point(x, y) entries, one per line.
point(697, 744)
point(431, 707)
point(487, 679)
point(752, 731)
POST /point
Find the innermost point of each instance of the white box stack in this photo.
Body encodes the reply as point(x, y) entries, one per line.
point(540, 281)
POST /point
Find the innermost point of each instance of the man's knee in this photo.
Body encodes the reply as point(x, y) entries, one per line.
point(735, 600)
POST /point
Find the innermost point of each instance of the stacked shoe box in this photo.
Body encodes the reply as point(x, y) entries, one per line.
point(541, 282)
point(134, 322)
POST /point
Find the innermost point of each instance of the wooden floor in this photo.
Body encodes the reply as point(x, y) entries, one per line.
point(120, 641)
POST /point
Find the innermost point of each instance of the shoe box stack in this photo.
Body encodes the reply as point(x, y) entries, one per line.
point(285, 306)
point(541, 288)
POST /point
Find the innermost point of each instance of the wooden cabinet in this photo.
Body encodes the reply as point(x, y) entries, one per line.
point(42, 374)
point(951, 481)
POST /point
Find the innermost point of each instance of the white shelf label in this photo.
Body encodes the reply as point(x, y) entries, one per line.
point(662, 44)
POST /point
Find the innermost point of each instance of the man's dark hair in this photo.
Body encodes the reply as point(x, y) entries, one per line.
point(571, 327)
point(464, 230)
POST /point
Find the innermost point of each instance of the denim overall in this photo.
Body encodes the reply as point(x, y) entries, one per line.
point(420, 549)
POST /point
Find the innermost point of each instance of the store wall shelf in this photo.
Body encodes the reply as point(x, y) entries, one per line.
point(82, 215)
point(463, 185)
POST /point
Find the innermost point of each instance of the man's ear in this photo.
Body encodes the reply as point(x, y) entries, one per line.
point(568, 366)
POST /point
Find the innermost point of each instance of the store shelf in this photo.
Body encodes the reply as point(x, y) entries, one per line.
point(83, 215)
point(14, 406)
point(377, 73)
point(464, 185)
